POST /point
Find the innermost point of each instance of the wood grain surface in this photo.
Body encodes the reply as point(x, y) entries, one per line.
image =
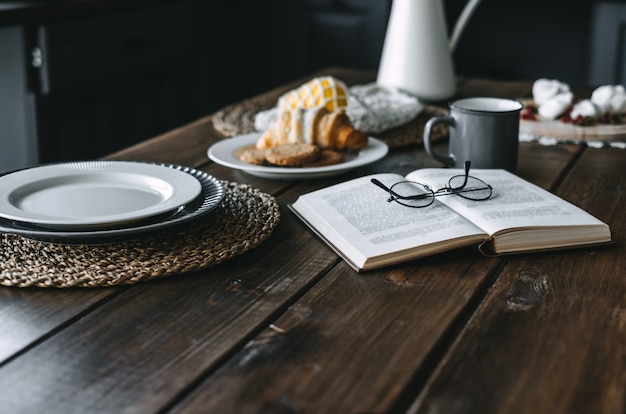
point(289, 328)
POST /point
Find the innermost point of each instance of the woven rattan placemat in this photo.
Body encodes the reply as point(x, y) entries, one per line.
point(238, 119)
point(412, 133)
point(244, 219)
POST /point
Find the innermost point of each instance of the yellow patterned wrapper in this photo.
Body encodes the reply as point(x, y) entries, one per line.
point(318, 92)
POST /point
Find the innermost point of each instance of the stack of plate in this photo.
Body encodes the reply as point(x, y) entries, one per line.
point(97, 202)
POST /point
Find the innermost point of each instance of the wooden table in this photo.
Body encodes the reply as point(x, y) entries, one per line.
point(289, 327)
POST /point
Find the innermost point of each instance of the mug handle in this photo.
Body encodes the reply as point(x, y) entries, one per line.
point(448, 120)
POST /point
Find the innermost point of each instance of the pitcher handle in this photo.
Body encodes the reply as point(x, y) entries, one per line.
point(447, 120)
point(464, 17)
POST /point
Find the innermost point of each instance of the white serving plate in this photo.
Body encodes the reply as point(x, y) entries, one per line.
point(94, 194)
point(223, 152)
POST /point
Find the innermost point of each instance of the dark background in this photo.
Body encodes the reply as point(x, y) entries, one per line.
point(117, 72)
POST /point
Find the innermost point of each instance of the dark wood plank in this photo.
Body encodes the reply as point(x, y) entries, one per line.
point(351, 344)
point(467, 87)
point(30, 315)
point(186, 145)
point(360, 342)
point(551, 334)
point(534, 157)
point(140, 350)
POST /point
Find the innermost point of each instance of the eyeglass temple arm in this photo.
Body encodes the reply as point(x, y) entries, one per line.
point(467, 165)
point(380, 185)
point(393, 195)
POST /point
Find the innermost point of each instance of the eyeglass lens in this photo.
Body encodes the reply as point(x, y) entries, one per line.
point(412, 194)
point(474, 188)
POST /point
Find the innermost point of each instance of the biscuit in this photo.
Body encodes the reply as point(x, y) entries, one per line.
point(292, 155)
point(252, 156)
point(326, 157)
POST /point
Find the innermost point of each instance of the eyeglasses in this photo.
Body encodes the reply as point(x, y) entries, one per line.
point(418, 195)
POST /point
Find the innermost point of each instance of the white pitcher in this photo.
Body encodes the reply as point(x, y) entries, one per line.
point(416, 53)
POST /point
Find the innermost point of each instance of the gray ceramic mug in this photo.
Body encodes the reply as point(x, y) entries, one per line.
point(484, 131)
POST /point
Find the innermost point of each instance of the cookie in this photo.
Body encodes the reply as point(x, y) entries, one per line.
point(292, 155)
point(252, 156)
point(326, 157)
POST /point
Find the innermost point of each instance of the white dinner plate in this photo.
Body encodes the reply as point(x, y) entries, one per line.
point(223, 152)
point(210, 197)
point(94, 194)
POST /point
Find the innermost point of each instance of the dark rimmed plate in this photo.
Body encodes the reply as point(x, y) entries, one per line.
point(211, 195)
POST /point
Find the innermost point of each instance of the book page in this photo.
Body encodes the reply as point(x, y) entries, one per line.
point(358, 219)
point(515, 203)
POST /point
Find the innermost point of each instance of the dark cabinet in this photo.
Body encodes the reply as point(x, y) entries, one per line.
point(230, 52)
point(105, 81)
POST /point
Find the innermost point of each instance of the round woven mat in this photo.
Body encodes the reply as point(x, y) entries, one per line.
point(244, 219)
point(238, 119)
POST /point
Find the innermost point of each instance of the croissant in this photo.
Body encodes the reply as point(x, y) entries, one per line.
point(321, 127)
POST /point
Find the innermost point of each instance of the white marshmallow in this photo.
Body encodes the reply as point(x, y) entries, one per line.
point(545, 89)
point(555, 106)
point(618, 103)
point(585, 108)
point(601, 96)
point(610, 98)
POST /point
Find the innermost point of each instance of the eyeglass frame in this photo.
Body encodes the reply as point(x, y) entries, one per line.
point(447, 190)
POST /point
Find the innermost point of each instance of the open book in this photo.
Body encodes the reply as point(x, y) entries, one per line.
point(356, 219)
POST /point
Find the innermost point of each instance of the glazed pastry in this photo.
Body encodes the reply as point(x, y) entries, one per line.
point(320, 127)
point(325, 91)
